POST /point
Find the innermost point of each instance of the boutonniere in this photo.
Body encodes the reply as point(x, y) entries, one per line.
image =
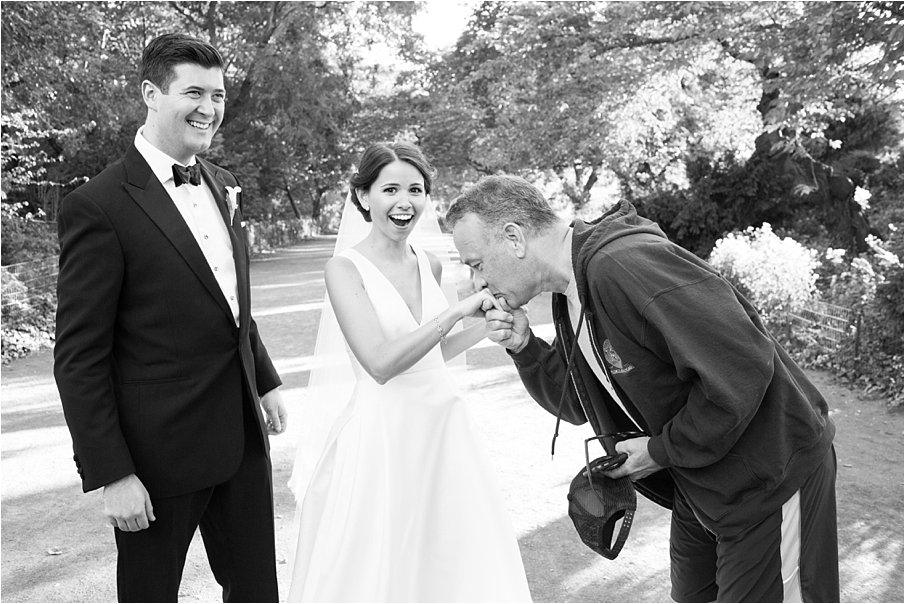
point(232, 201)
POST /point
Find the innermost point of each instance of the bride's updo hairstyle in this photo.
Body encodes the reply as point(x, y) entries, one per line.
point(377, 157)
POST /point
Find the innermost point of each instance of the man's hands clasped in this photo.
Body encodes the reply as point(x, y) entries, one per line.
point(507, 326)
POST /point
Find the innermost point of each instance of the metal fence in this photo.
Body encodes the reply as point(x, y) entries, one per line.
point(27, 281)
point(828, 325)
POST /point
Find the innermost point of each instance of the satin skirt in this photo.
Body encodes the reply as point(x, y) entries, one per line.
point(404, 504)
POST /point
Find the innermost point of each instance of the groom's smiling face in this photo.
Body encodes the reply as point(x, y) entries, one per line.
point(183, 117)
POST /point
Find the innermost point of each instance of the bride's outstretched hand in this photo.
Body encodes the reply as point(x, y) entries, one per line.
point(476, 304)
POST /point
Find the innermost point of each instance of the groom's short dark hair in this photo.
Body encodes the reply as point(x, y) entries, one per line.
point(164, 52)
point(499, 199)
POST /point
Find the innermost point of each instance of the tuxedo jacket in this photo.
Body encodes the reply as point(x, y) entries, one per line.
point(152, 371)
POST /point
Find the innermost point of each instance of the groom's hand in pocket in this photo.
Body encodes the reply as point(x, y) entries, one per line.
point(507, 326)
point(127, 504)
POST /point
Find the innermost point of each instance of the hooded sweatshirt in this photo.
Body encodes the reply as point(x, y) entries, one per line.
point(732, 418)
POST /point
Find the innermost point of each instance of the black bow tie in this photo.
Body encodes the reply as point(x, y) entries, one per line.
point(190, 174)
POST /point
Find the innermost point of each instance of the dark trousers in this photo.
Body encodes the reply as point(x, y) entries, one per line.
point(236, 522)
point(789, 556)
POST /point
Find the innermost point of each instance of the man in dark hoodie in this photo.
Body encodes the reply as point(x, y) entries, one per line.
point(738, 442)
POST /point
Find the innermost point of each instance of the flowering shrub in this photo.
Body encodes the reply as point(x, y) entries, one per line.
point(777, 275)
point(780, 276)
point(872, 285)
point(27, 325)
point(25, 236)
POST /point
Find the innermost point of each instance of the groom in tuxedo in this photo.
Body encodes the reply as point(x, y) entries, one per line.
point(160, 368)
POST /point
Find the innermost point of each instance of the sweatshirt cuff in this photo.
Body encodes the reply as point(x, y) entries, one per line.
point(657, 451)
point(528, 355)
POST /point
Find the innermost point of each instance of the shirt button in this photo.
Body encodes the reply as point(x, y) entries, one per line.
point(205, 236)
point(233, 298)
point(216, 269)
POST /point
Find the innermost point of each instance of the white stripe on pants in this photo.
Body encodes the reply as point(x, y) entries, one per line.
point(790, 549)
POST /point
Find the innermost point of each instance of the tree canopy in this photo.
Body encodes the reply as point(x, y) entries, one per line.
point(658, 99)
point(71, 103)
point(639, 89)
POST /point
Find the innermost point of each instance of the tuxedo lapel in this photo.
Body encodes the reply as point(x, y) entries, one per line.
point(218, 189)
point(212, 177)
point(144, 188)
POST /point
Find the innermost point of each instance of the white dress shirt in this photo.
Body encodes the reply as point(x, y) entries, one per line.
point(199, 209)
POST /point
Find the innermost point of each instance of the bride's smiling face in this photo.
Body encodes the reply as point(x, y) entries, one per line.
point(396, 199)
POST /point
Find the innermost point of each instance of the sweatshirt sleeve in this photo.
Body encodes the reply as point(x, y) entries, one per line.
point(723, 354)
point(543, 372)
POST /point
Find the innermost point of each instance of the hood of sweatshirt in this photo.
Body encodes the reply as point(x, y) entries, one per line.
point(588, 237)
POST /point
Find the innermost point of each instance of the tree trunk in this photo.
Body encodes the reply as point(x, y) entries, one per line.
point(279, 20)
point(317, 199)
point(316, 206)
point(295, 207)
point(589, 183)
point(580, 192)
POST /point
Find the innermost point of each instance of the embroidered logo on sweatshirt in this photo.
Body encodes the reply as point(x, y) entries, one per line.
point(616, 365)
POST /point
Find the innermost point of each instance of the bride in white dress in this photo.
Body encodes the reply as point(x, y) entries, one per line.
point(402, 505)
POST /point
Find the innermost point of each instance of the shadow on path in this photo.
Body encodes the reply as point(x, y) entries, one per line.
point(43, 509)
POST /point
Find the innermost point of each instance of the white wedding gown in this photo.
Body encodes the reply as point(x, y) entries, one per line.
point(403, 505)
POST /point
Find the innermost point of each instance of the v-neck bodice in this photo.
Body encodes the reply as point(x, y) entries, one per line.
point(394, 288)
point(393, 313)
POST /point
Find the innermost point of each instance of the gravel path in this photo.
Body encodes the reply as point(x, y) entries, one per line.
point(56, 547)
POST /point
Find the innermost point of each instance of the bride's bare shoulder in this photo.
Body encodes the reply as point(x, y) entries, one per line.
point(436, 266)
point(341, 269)
point(339, 260)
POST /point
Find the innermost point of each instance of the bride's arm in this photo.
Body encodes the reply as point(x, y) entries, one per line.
point(381, 357)
point(461, 341)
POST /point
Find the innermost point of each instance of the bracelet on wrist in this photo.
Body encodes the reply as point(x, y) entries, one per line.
point(439, 329)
